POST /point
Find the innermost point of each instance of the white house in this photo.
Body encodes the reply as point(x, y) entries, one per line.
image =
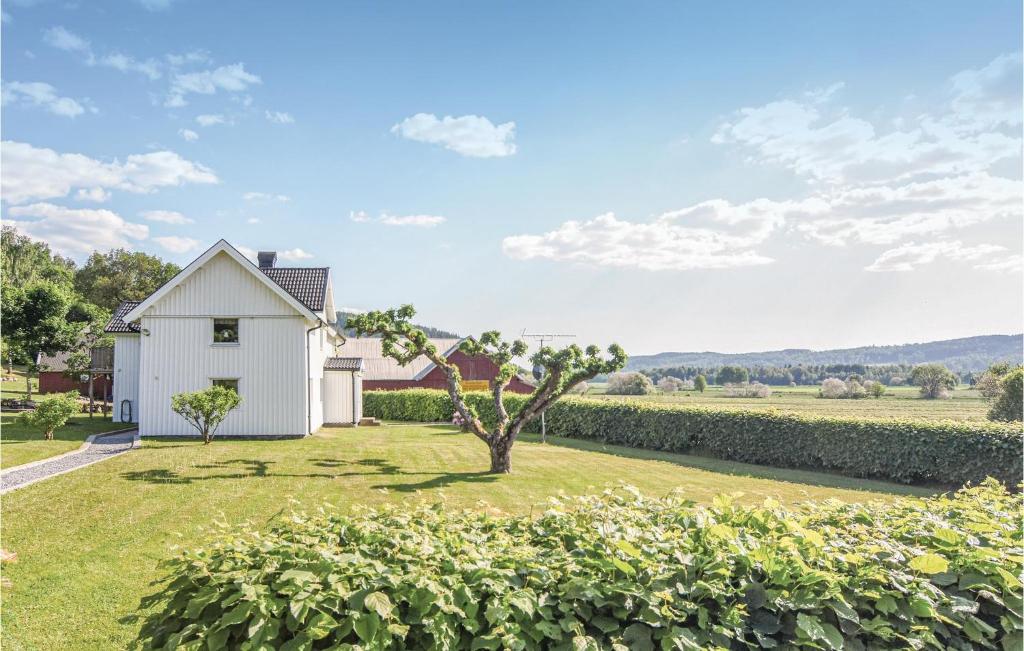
point(266, 331)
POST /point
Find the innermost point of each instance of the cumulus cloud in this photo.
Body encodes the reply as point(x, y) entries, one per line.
point(230, 78)
point(264, 196)
point(63, 39)
point(208, 120)
point(99, 195)
point(75, 231)
point(176, 244)
point(280, 117)
point(294, 254)
point(469, 135)
point(420, 221)
point(188, 135)
point(664, 244)
point(166, 217)
point(911, 255)
point(150, 67)
point(32, 173)
point(42, 95)
point(825, 143)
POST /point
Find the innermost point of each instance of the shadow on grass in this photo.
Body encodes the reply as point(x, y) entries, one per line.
point(441, 480)
point(739, 469)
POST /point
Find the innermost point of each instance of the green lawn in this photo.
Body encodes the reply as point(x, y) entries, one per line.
point(20, 444)
point(88, 542)
point(899, 402)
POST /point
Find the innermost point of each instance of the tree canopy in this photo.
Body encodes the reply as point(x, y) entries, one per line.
point(106, 279)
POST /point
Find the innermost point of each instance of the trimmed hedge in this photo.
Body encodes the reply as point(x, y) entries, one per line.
point(615, 571)
point(912, 452)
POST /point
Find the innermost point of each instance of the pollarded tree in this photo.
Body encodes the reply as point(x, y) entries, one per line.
point(563, 370)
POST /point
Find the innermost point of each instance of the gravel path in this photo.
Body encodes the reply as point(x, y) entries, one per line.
point(102, 447)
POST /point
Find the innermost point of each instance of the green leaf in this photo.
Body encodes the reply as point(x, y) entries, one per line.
point(628, 548)
point(379, 603)
point(929, 563)
point(624, 566)
point(366, 626)
point(320, 626)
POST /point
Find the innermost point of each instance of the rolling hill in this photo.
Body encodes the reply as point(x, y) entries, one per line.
point(965, 354)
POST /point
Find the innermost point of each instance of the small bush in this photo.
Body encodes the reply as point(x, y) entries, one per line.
point(1010, 403)
point(615, 571)
point(629, 384)
point(51, 413)
point(836, 389)
point(874, 388)
point(747, 390)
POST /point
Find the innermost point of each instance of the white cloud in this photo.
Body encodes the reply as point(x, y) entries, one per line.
point(155, 5)
point(1013, 263)
point(150, 67)
point(911, 255)
point(829, 145)
point(188, 134)
point(176, 244)
point(264, 196)
point(469, 135)
point(421, 221)
point(39, 94)
point(32, 173)
point(208, 120)
point(294, 254)
point(253, 220)
point(663, 244)
point(231, 78)
point(166, 217)
point(280, 117)
point(190, 57)
point(75, 231)
point(99, 195)
point(62, 39)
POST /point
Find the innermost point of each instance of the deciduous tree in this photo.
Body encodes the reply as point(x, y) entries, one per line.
point(935, 380)
point(563, 370)
point(700, 383)
point(120, 275)
point(35, 321)
point(51, 413)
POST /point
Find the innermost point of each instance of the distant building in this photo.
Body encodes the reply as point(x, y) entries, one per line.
point(384, 373)
point(54, 378)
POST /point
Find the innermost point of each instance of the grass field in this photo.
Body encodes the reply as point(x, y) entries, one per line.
point(20, 444)
point(88, 542)
point(900, 402)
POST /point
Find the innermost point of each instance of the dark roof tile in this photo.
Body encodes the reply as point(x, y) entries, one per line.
point(307, 284)
point(343, 364)
point(117, 324)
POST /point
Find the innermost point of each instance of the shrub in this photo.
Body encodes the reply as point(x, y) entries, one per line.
point(935, 380)
point(896, 381)
point(747, 390)
point(935, 453)
point(611, 571)
point(580, 389)
point(874, 388)
point(629, 384)
point(51, 413)
point(1009, 405)
point(205, 410)
point(835, 389)
point(669, 384)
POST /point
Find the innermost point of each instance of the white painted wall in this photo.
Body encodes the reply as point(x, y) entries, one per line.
point(178, 355)
point(126, 375)
point(338, 403)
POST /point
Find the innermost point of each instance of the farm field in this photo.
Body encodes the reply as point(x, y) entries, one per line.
point(899, 402)
point(89, 542)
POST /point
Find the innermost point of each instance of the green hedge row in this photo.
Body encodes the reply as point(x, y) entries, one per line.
point(944, 453)
point(610, 572)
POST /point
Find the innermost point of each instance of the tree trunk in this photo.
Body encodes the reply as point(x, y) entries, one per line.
point(206, 437)
point(28, 384)
point(48, 435)
point(501, 455)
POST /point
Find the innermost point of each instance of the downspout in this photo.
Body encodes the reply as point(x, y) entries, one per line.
point(355, 421)
point(309, 387)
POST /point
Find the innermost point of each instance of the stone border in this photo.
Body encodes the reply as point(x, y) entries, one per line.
point(135, 442)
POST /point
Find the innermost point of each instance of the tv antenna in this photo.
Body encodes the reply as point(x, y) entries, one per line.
point(538, 371)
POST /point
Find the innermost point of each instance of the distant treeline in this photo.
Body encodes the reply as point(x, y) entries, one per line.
point(812, 374)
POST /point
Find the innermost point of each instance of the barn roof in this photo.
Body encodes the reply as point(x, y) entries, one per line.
point(117, 323)
point(343, 364)
point(378, 367)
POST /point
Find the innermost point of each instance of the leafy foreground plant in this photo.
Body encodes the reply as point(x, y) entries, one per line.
point(612, 571)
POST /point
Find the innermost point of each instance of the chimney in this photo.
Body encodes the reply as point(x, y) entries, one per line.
point(267, 259)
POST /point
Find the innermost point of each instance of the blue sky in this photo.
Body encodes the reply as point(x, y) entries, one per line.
point(673, 176)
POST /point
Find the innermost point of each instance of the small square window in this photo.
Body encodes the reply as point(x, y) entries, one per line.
point(225, 331)
point(227, 384)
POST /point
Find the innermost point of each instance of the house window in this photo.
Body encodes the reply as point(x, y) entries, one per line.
point(227, 383)
point(225, 331)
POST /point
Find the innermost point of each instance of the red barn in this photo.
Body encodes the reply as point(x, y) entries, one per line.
point(381, 372)
point(53, 377)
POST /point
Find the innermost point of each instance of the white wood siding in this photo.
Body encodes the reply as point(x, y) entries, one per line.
point(269, 363)
point(126, 376)
point(338, 392)
point(221, 287)
point(320, 348)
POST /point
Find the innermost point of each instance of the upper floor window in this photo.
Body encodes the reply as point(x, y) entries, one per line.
point(227, 383)
point(225, 331)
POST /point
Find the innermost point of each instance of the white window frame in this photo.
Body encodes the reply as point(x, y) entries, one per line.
point(225, 344)
point(236, 380)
